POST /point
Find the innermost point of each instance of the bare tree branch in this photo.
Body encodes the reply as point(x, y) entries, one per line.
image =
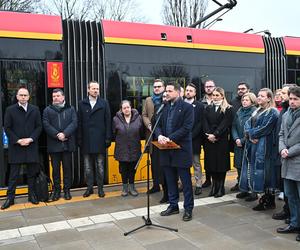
point(183, 12)
point(75, 9)
point(119, 10)
point(18, 5)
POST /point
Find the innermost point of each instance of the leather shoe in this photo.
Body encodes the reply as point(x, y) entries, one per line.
point(282, 215)
point(288, 229)
point(206, 184)
point(32, 198)
point(153, 190)
point(298, 237)
point(198, 190)
point(67, 195)
point(187, 216)
point(169, 211)
point(88, 192)
point(7, 204)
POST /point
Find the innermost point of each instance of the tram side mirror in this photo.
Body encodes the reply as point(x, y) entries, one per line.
point(163, 36)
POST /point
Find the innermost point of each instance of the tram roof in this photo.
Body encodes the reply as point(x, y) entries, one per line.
point(32, 26)
point(292, 45)
point(151, 34)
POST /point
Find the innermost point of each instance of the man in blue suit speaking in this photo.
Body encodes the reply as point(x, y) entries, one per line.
point(176, 125)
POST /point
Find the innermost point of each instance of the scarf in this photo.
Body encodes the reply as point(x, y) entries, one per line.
point(156, 99)
point(292, 116)
point(59, 106)
point(245, 112)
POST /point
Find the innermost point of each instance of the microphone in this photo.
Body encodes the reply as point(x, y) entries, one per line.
point(160, 108)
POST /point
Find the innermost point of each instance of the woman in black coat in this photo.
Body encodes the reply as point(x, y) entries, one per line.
point(216, 125)
point(127, 128)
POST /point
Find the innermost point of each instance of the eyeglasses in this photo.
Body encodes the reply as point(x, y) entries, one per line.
point(156, 87)
point(208, 87)
point(241, 89)
point(22, 95)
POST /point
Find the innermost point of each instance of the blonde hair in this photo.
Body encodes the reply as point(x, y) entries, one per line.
point(252, 97)
point(224, 105)
point(271, 103)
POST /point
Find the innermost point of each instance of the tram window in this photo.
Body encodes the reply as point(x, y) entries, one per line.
point(293, 62)
point(139, 88)
point(291, 76)
point(228, 77)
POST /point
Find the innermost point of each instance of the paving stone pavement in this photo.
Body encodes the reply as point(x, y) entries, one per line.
point(218, 223)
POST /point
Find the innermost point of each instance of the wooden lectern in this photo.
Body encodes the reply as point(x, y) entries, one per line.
point(169, 145)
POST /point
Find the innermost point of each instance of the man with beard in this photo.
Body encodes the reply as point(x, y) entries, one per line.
point(285, 212)
point(209, 87)
point(176, 125)
point(152, 103)
point(236, 102)
point(94, 136)
point(190, 97)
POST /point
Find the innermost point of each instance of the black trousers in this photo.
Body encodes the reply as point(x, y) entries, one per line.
point(218, 176)
point(63, 158)
point(127, 171)
point(14, 175)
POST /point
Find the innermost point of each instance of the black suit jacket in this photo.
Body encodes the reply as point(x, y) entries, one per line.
point(183, 121)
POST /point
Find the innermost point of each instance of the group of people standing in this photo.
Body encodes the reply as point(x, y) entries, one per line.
point(91, 124)
point(266, 152)
point(265, 142)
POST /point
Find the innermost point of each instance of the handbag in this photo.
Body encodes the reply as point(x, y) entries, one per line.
point(42, 185)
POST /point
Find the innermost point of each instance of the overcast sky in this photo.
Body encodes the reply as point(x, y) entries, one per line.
point(278, 16)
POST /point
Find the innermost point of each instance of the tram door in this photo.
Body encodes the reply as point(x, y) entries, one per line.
point(14, 74)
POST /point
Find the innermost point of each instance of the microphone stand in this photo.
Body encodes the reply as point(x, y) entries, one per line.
point(147, 219)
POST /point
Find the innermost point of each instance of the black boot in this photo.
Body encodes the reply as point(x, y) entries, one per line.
point(32, 198)
point(101, 192)
point(220, 190)
point(213, 188)
point(55, 195)
point(267, 201)
point(88, 192)
point(67, 195)
point(8, 202)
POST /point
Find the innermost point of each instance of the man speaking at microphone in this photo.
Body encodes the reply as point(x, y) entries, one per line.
point(176, 125)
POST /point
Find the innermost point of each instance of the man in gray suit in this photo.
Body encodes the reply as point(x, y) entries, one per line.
point(289, 148)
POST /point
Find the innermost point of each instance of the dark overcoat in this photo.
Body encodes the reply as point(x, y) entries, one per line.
point(56, 120)
point(258, 168)
point(181, 134)
point(217, 156)
point(94, 126)
point(20, 124)
point(237, 132)
point(197, 131)
point(128, 136)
